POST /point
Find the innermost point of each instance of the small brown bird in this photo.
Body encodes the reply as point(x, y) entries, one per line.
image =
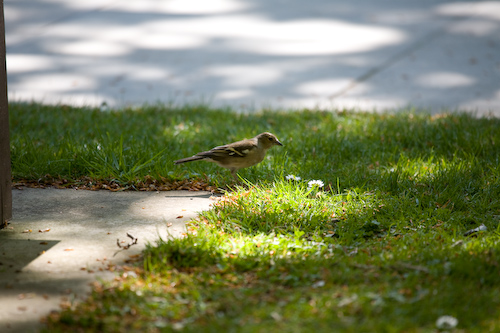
point(237, 155)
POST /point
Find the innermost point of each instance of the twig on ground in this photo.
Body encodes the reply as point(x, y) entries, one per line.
point(125, 247)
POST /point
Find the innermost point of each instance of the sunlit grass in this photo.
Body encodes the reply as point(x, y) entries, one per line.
point(379, 247)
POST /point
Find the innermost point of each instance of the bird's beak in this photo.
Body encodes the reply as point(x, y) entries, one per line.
point(279, 143)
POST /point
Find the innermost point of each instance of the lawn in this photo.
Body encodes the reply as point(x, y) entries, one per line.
point(377, 244)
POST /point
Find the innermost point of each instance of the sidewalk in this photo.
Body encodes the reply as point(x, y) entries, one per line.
point(41, 270)
point(439, 55)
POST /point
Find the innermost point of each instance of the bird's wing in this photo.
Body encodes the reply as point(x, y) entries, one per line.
point(237, 149)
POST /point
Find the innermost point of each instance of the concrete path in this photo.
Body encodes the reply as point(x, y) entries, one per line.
point(39, 271)
point(250, 54)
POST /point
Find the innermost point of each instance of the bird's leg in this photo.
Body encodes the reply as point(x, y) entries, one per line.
point(233, 172)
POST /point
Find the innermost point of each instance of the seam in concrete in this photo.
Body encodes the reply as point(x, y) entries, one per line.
point(421, 42)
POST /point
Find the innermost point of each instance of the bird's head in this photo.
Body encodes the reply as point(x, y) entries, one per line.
point(267, 140)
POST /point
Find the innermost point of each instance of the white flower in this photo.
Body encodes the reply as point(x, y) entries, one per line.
point(446, 322)
point(293, 177)
point(318, 284)
point(104, 107)
point(314, 183)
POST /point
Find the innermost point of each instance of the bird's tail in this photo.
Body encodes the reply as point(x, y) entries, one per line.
point(189, 159)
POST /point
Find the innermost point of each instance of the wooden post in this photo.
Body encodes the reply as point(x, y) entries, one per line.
point(5, 171)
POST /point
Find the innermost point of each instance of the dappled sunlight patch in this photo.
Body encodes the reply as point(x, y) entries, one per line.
point(202, 279)
point(287, 207)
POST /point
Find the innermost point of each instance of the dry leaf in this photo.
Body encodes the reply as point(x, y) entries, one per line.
point(169, 225)
point(27, 231)
point(44, 243)
point(65, 305)
point(180, 217)
point(46, 230)
point(68, 249)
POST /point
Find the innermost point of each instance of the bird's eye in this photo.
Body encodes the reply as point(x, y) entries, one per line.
point(270, 139)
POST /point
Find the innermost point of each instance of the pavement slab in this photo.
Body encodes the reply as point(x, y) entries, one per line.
point(60, 241)
point(360, 54)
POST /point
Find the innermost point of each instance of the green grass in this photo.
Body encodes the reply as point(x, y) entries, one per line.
point(379, 248)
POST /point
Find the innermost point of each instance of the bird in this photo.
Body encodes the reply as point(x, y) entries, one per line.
point(237, 155)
